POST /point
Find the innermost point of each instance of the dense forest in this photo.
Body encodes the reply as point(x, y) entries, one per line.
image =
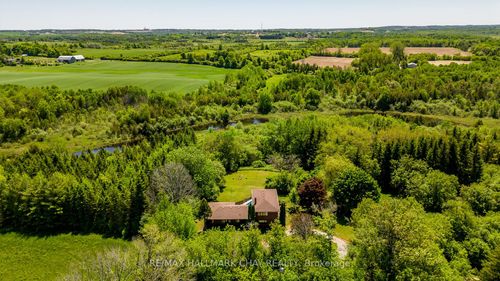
point(409, 158)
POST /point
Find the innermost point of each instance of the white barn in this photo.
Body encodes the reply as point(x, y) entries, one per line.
point(79, 58)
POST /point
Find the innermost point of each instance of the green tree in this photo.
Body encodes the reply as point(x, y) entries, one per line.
point(333, 167)
point(405, 172)
point(206, 173)
point(229, 150)
point(394, 241)
point(461, 217)
point(177, 218)
point(398, 53)
point(204, 209)
point(312, 98)
point(265, 102)
point(282, 182)
point(351, 187)
point(490, 271)
point(434, 190)
point(282, 217)
point(481, 198)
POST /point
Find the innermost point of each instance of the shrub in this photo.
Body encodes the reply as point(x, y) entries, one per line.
point(258, 164)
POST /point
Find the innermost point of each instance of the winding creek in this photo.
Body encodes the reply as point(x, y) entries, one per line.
point(213, 127)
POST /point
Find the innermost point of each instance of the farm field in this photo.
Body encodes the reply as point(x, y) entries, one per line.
point(448, 62)
point(440, 51)
point(240, 184)
point(327, 61)
point(48, 258)
point(104, 74)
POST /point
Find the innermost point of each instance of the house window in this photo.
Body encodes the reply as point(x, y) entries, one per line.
point(262, 214)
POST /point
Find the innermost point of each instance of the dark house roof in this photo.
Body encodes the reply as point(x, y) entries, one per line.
point(228, 211)
point(265, 200)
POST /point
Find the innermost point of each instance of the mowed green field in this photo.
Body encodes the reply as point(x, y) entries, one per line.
point(104, 74)
point(48, 258)
point(240, 184)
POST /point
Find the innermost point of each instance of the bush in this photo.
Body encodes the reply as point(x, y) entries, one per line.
point(265, 103)
point(258, 164)
point(176, 218)
point(284, 106)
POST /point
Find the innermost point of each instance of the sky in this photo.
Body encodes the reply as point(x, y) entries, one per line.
point(242, 14)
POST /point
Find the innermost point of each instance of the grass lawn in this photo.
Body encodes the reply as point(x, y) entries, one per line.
point(240, 184)
point(344, 232)
point(47, 258)
point(104, 74)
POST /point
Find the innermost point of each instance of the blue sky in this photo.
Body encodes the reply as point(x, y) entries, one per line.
point(238, 14)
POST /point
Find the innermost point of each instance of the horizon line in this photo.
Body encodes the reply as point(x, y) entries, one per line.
point(253, 29)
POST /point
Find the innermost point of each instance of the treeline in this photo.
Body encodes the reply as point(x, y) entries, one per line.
point(459, 40)
point(233, 58)
point(35, 49)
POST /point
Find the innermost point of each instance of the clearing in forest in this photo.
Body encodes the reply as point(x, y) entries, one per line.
point(240, 184)
point(327, 61)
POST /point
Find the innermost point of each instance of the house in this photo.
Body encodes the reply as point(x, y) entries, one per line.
point(266, 205)
point(70, 59)
point(263, 206)
point(226, 213)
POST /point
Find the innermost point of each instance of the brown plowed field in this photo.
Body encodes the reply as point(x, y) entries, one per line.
point(448, 62)
point(327, 61)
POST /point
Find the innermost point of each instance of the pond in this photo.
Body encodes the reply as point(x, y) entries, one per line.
point(109, 149)
point(249, 121)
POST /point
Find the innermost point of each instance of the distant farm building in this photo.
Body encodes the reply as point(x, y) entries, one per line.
point(412, 65)
point(79, 58)
point(70, 59)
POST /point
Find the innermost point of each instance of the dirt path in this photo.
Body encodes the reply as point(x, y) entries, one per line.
point(342, 245)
